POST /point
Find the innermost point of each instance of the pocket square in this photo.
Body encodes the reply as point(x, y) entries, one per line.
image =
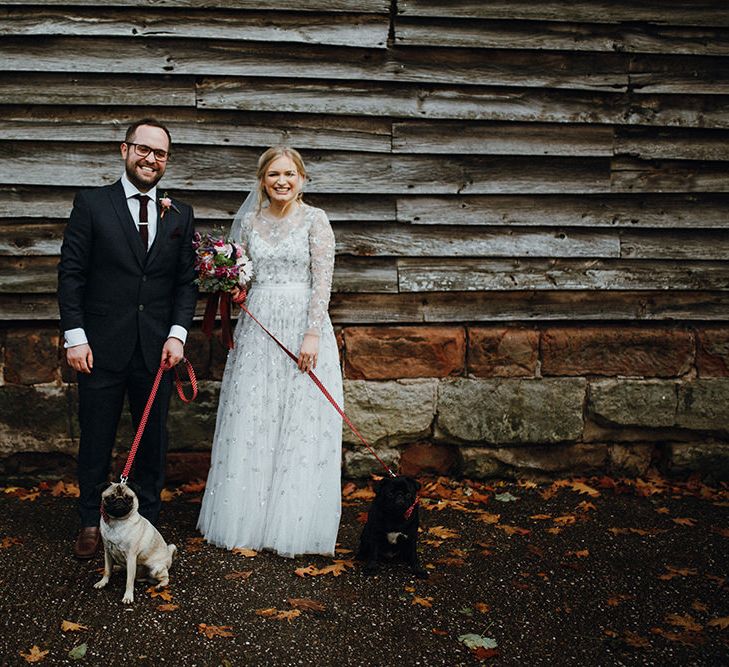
point(176, 234)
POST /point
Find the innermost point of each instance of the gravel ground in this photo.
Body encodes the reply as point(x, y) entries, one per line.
point(608, 579)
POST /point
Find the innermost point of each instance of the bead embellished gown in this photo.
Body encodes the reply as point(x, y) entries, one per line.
point(274, 479)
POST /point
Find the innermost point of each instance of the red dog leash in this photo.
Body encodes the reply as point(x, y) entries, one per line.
point(318, 383)
point(148, 408)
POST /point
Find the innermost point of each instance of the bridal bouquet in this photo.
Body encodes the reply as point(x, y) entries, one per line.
point(221, 265)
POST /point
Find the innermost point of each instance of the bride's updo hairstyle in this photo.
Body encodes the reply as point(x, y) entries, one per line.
point(264, 162)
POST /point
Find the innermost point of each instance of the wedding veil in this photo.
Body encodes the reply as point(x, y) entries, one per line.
point(251, 204)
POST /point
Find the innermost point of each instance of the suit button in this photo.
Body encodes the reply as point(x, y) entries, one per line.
point(141, 306)
point(144, 279)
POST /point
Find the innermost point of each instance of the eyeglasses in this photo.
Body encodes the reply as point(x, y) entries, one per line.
point(144, 151)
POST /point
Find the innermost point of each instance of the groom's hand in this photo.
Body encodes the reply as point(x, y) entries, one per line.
point(172, 353)
point(80, 358)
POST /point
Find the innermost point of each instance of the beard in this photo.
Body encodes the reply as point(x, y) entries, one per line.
point(143, 182)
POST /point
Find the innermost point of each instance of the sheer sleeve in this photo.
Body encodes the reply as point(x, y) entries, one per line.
point(321, 249)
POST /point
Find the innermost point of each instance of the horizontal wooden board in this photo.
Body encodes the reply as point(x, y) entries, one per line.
point(502, 138)
point(53, 204)
point(675, 245)
point(673, 143)
point(561, 36)
point(472, 103)
point(679, 74)
point(370, 6)
point(65, 89)
point(632, 175)
point(606, 72)
point(428, 241)
point(464, 307)
point(39, 275)
point(667, 12)
point(440, 274)
point(357, 30)
point(196, 127)
point(209, 168)
point(652, 210)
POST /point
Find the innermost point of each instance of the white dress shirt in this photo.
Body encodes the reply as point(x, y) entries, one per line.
point(74, 337)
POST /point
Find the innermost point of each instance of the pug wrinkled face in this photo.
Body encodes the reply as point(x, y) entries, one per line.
point(398, 492)
point(118, 500)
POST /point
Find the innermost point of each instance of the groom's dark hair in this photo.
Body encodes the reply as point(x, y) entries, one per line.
point(152, 122)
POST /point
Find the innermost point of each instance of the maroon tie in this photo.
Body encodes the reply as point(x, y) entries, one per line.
point(143, 221)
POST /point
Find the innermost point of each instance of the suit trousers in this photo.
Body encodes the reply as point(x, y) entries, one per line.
point(101, 401)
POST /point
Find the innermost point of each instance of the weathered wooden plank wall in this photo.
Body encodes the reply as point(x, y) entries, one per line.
point(485, 131)
point(493, 169)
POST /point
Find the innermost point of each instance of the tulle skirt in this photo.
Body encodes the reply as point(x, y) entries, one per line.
point(274, 480)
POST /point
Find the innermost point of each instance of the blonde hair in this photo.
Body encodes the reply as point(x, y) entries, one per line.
point(267, 157)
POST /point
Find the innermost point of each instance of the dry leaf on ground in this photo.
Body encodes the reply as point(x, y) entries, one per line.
point(722, 623)
point(443, 532)
point(70, 626)
point(35, 654)
point(422, 602)
point(239, 574)
point(306, 604)
point(279, 614)
point(211, 631)
point(165, 593)
point(168, 607)
point(684, 521)
point(8, 542)
point(684, 621)
point(336, 568)
point(248, 553)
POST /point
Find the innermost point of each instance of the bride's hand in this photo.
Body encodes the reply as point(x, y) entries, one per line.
point(238, 294)
point(309, 353)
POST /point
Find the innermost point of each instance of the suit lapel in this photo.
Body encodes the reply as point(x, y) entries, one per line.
point(160, 237)
point(119, 202)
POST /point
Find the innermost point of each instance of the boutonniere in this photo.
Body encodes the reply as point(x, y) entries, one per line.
point(165, 203)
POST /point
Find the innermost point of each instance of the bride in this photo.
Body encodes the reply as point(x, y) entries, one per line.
point(274, 480)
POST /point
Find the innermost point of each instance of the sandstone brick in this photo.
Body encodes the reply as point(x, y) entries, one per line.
point(510, 411)
point(502, 352)
point(704, 405)
point(534, 461)
point(199, 353)
point(384, 353)
point(645, 403)
point(32, 356)
point(389, 412)
point(616, 351)
point(36, 419)
point(359, 462)
point(632, 460)
point(712, 358)
point(191, 426)
point(425, 458)
point(708, 458)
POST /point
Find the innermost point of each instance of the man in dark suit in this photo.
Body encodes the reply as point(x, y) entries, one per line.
point(127, 296)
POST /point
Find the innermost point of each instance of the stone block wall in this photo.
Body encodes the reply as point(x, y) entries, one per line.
point(479, 401)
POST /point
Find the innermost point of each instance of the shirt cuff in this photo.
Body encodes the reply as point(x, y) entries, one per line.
point(74, 337)
point(176, 331)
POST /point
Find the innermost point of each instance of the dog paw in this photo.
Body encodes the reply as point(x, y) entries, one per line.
point(128, 598)
point(101, 582)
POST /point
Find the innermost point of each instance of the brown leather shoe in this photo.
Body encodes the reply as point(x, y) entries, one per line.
point(87, 543)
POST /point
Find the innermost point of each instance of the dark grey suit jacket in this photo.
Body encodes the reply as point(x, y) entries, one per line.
point(116, 291)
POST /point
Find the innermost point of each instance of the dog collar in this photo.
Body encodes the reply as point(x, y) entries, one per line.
point(411, 509)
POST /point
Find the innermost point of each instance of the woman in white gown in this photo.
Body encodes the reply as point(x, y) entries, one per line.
point(274, 480)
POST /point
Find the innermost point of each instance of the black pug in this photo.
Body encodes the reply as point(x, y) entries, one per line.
point(392, 524)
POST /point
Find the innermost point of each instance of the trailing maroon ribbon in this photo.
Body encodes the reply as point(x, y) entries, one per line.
point(211, 310)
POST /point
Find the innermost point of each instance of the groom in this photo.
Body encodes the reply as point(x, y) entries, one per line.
point(127, 298)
